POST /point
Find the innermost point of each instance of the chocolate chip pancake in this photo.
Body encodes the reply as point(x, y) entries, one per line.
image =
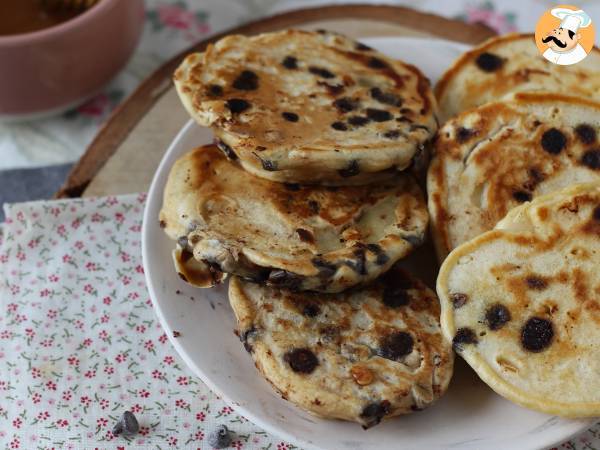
point(300, 237)
point(309, 107)
point(362, 356)
point(521, 303)
point(491, 159)
point(508, 64)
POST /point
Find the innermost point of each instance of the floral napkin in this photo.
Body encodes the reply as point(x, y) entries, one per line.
point(80, 343)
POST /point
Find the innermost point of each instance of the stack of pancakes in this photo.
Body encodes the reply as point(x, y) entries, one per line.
point(309, 197)
point(514, 198)
point(307, 200)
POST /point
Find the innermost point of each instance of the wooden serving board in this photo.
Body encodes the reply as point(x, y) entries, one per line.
point(126, 152)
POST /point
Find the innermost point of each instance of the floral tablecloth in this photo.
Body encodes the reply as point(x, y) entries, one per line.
point(173, 25)
point(80, 343)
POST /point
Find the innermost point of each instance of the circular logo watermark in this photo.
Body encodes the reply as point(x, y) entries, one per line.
point(565, 35)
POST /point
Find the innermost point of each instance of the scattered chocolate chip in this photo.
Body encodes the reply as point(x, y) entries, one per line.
point(362, 47)
point(464, 134)
point(537, 334)
point(214, 90)
point(326, 269)
point(345, 104)
point(374, 412)
point(396, 346)
point(127, 424)
point(459, 300)
point(311, 310)
point(301, 360)
point(221, 437)
point(376, 63)
point(260, 148)
point(536, 283)
point(305, 235)
point(290, 62)
point(381, 256)
point(351, 170)
point(292, 186)
point(176, 334)
point(340, 126)
point(237, 105)
point(290, 116)
point(246, 81)
point(320, 71)
point(591, 159)
point(553, 141)
point(162, 224)
point(386, 98)
point(596, 214)
point(358, 121)
point(226, 149)
point(497, 316)
point(358, 264)
point(488, 62)
point(463, 336)
point(522, 196)
point(392, 134)
point(268, 165)
point(333, 89)
point(285, 279)
point(314, 206)
point(379, 115)
point(586, 133)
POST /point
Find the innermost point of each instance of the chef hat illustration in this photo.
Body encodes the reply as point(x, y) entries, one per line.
point(572, 20)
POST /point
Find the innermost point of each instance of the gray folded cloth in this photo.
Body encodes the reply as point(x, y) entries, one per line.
point(21, 185)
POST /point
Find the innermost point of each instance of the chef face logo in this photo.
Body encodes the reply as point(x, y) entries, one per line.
point(565, 35)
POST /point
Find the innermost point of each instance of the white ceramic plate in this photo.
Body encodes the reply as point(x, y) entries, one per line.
point(470, 416)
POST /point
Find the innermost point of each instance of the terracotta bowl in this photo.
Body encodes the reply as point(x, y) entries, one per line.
point(52, 69)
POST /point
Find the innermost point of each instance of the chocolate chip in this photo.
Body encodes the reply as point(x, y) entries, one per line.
point(396, 346)
point(214, 90)
point(162, 224)
point(362, 47)
point(392, 134)
point(314, 206)
point(553, 141)
point(377, 63)
point(290, 62)
point(292, 186)
point(591, 159)
point(320, 71)
point(285, 279)
point(488, 62)
point(463, 336)
point(305, 235)
point(340, 126)
point(246, 336)
point(237, 105)
point(311, 310)
point(381, 256)
point(596, 214)
point(226, 149)
point(386, 98)
point(586, 133)
point(497, 316)
point(379, 115)
point(537, 334)
point(351, 170)
point(326, 269)
point(301, 360)
point(345, 104)
point(358, 121)
point(522, 196)
point(268, 165)
point(246, 81)
point(358, 264)
point(459, 300)
point(535, 282)
point(464, 134)
point(290, 116)
point(395, 296)
point(374, 412)
point(333, 89)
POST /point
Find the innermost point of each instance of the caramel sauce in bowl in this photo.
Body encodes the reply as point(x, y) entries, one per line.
point(51, 61)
